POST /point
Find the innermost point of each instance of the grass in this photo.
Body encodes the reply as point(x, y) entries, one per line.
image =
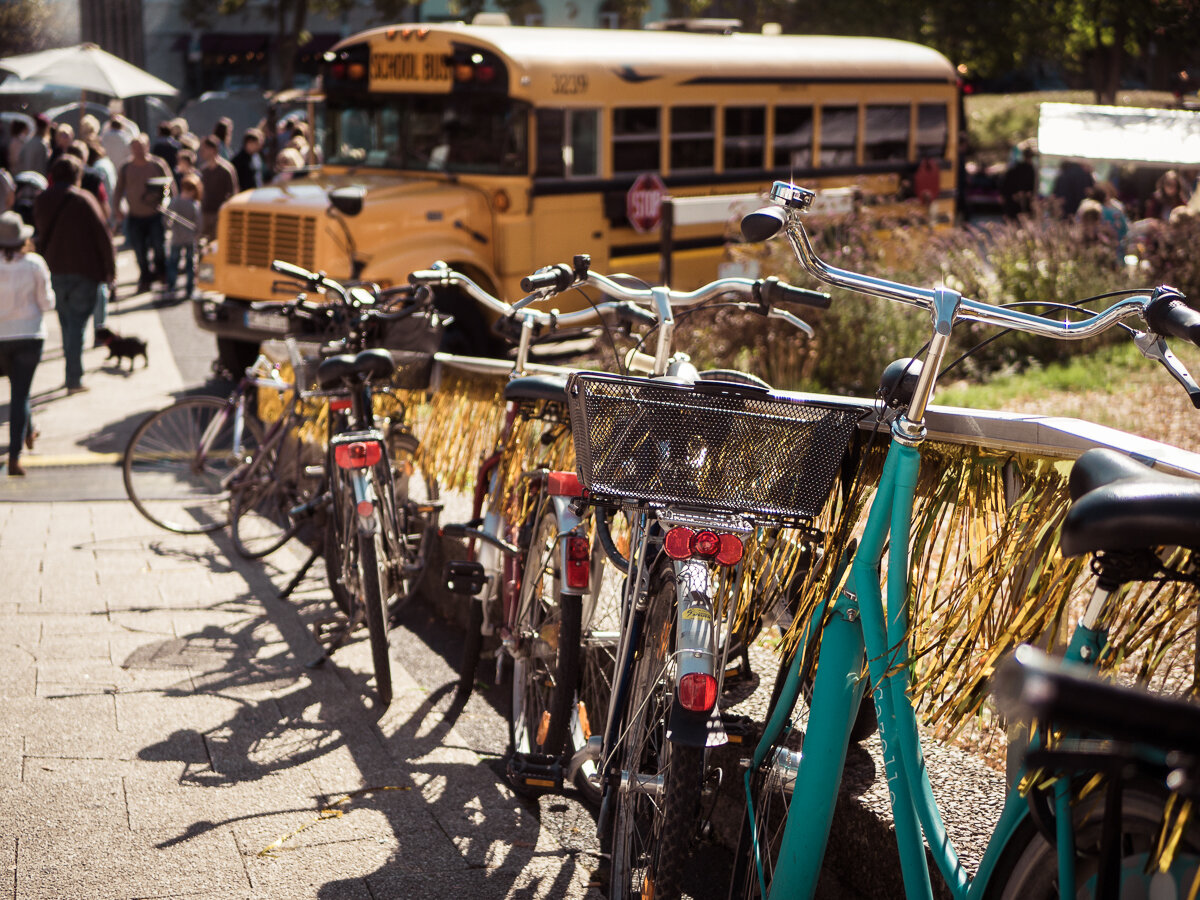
point(1114, 386)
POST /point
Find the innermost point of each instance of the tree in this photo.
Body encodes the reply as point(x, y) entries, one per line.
point(26, 26)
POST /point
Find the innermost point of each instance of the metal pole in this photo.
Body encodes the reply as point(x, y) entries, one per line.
point(666, 235)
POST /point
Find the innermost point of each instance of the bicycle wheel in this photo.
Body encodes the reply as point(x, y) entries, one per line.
point(412, 513)
point(262, 495)
point(167, 477)
point(546, 658)
point(657, 805)
point(376, 614)
point(341, 545)
point(600, 632)
point(1028, 867)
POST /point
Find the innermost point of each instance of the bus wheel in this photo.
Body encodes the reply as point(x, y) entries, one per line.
point(236, 356)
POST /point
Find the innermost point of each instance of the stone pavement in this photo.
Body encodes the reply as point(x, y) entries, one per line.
point(162, 736)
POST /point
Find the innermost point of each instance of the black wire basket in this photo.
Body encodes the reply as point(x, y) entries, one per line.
point(709, 445)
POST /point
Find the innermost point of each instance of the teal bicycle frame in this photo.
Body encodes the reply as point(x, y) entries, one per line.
point(854, 622)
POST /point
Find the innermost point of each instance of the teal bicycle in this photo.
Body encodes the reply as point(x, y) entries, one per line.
point(790, 794)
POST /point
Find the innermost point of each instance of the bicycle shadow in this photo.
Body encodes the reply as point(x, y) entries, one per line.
point(404, 793)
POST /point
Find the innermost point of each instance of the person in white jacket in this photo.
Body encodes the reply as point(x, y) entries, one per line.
point(25, 296)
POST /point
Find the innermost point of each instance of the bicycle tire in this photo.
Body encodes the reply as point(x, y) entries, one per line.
point(413, 535)
point(1028, 866)
point(600, 631)
point(376, 615)
point(162, 477)
point(546, 658)
point(261, 497)
point(652, 835)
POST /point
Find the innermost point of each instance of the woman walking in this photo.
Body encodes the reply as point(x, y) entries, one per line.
point(25, 295)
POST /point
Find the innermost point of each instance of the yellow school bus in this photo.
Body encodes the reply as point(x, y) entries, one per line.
point(502, 149)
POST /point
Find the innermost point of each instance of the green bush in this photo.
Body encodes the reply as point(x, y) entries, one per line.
point(1040, 260)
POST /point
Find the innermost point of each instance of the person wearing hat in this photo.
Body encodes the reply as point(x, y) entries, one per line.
point(26, 295)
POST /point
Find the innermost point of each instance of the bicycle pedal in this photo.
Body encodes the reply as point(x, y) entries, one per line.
point(739, 729)
point(535, 771)
point(464, 577)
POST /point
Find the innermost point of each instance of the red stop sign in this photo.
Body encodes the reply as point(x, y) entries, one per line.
point(643, 203)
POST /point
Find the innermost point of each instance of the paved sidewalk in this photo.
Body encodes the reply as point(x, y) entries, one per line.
point(162, 736)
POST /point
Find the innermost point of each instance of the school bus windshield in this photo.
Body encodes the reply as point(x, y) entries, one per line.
point(445, 133)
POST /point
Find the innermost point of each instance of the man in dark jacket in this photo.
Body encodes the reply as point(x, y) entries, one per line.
point(71, 234)
point(219, 180)
point(247, 161)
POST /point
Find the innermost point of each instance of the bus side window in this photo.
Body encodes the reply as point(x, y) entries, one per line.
point(584, 157)
point(793, 137)
point(932, 129)
point(745, 142)
point(635, 139)
point(885, 134)
point(839, 135)
point(551, 144)
point(692, 139)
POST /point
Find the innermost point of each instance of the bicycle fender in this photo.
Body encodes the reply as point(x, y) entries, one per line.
point(695, 653)
point(569, 523)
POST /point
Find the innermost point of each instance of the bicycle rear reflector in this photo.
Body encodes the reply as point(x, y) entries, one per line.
point(340, 404)
point(697, 692)
point(365, 508)
point(683, 543)
point(578, 557)
point(358, 455)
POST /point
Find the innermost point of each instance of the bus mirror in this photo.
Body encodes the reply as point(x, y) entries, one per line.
point(347, 200)
point(763, 224)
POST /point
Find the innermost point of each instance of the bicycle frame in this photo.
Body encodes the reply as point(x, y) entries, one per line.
point(854, 621)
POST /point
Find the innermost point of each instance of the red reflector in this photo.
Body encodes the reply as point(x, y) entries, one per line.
point(358, 455)
point(564, 484)
point(484, 74)
point(365, 508)
point(697, 692)
point(579, 553)
point(678, 543)
point(339, 404)
point(706, 543)
point(338, 70)
point(731, 550)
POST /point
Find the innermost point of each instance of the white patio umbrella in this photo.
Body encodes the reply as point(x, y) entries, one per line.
point(88, 68)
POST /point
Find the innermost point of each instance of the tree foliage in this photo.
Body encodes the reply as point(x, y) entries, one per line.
point(26, 26)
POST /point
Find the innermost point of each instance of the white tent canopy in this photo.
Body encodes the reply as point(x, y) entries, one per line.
point(1120, 134)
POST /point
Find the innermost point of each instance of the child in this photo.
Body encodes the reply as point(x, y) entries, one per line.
point(184, 216)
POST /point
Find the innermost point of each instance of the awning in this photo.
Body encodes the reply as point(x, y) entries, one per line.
point(1165, 137)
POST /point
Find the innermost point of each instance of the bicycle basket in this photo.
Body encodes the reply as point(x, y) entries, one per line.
point(691, 445)
point(414, 370)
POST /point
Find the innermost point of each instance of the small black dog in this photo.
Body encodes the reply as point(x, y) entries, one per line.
point(120, 348)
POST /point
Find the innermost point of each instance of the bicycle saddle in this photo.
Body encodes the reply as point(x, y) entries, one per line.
point(537, 387)
point(1121, 504)
point(366, 366)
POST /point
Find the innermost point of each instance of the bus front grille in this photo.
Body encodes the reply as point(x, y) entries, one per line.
point(256, 238)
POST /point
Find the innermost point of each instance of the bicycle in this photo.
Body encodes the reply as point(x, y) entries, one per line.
point(179, 460)
point(790, 796)
point(379, 528)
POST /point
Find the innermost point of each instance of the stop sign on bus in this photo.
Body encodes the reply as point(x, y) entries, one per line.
point(643, 203)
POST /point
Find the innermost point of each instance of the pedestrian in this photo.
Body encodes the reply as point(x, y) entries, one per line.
point(287, 161)
point(185, 164)
point(1071, 186)
point(18, 135)
point(26, 294)
point(1019, 185)
point(220, 183)
point(64, 136)
point(35, 153)
point(223, 132)
point(139, 185)
point(72, 236)
point(8, 190)
point(118, 134)
point(185, 231)
point(93, 181)
point(248, 161)
point(1168, 194)
point(165, 146)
